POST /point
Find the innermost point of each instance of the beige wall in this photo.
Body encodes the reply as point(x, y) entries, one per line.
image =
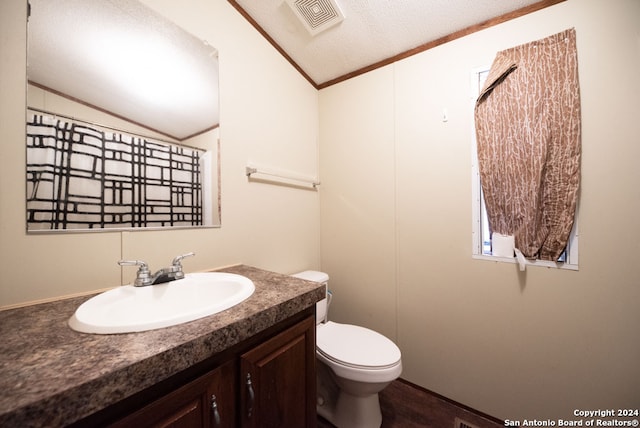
point(395, 209)
point(269, 115)
point(396, 226)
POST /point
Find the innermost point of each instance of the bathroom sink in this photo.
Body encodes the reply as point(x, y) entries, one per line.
point(129, 309)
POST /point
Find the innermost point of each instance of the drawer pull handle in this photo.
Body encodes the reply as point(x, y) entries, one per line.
point(216, 414)
point(251, 396)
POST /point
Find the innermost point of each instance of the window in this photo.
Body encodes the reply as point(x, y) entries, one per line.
point(481, 235)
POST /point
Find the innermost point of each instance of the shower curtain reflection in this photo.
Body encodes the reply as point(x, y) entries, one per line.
point(81, 176)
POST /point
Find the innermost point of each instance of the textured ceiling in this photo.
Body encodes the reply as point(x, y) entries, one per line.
point(99, 51)
point(372, 30)
point(125, 59)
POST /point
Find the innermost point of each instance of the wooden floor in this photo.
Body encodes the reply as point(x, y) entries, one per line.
point(405, 405)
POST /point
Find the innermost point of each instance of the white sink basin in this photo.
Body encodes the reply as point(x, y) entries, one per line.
point(128, 309)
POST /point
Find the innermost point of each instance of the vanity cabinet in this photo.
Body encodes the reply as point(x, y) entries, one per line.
point(266, 382)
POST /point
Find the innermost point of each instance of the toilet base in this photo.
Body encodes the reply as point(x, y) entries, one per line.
point(353, 412)
point(345, 410)
point(358, 412)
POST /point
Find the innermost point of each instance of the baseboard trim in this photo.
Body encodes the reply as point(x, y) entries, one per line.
point(452, 402)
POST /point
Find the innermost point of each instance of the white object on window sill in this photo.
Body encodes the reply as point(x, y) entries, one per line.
point(502, 245)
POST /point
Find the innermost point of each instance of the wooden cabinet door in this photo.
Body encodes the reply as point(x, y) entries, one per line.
point(208, 401)
point(278, 380)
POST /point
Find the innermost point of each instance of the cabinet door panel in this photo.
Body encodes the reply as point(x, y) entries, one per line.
point(278, 379)
point(224, 388)
point(190, 406)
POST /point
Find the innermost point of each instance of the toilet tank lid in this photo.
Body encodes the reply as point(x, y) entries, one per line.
point(312, 275)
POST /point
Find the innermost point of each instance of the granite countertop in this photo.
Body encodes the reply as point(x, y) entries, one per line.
point(51, 375)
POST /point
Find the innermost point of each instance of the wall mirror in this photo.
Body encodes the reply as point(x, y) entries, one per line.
point(122, 120)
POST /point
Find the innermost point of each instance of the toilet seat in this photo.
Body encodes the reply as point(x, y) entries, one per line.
point(356, 347)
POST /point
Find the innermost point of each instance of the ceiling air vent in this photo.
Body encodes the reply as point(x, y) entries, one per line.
point(317, 15)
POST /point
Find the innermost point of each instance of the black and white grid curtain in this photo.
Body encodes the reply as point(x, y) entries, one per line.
point(82, 177)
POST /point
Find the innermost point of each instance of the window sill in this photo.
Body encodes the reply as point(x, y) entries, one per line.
point(533, 263)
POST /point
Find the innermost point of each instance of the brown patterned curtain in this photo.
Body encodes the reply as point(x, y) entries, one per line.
point(528, 137)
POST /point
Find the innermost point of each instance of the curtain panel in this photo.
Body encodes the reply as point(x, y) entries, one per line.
point(529, 143)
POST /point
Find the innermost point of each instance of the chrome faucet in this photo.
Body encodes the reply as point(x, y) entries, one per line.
point(144, 276)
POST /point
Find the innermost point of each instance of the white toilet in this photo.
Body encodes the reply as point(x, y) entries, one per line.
point(354, 364)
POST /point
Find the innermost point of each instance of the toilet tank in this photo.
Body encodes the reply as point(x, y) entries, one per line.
point(315, 276)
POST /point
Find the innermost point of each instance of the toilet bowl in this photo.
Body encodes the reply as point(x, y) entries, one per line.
point(354, 365)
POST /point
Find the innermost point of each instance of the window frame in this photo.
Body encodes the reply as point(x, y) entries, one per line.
point(478, 217)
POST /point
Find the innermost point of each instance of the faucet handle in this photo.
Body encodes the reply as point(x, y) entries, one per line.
point(176, 265)
point(177, 260)
point(143, 277)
